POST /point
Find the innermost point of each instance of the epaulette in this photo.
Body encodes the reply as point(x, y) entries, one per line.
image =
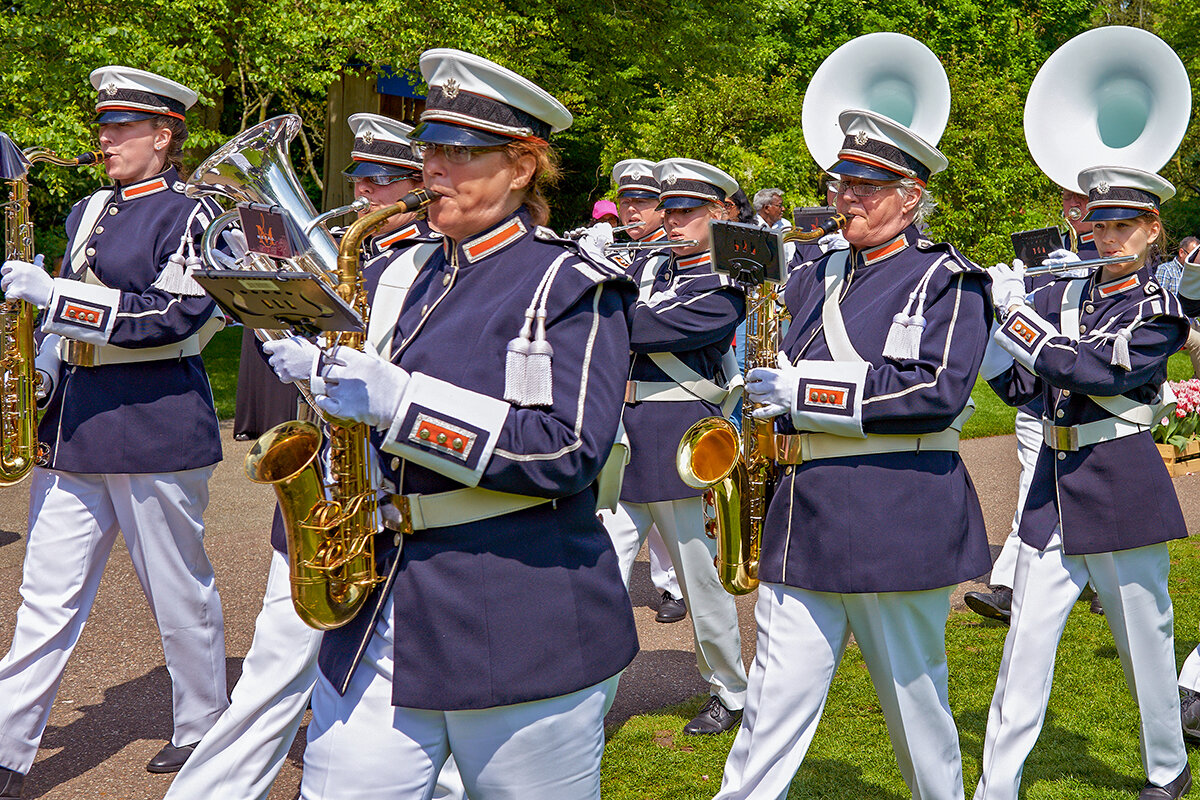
point(957, 261)
point(179, 187)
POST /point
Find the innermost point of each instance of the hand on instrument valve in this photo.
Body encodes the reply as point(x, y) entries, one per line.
point(293, 359)
point(360, 386)
point(773, 389)
point(235, 241)
point(1058, 258)
point(28, 282)
point(1008, 286)
point(594, 239)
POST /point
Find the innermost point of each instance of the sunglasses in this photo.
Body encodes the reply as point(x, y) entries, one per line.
point(380, 180)
point(454, 153)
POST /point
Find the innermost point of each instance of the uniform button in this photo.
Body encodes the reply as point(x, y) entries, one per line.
point(1060, 413)
point(425, 309)
point(1061, 456)
point(1066, 392)
point(787, 471)
point(424, 433)
point(1089, 308)
point(445, 280)
point(457, 444)
point(91, 251)
point(112, 209)
point(99, 229)
point(1083, 328)
point(395, 462)
point(441, 438)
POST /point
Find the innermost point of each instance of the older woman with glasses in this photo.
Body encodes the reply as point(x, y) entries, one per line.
point(875, 519)
point(495, 407)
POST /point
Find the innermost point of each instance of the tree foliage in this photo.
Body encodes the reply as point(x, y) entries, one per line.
point(719, 80)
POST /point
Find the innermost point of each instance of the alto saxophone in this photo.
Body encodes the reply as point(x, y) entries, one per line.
point(737, 470)
point(20, 450)
point(330, 526)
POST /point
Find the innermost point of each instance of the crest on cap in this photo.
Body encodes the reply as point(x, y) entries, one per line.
point(381, 140)
point(125, 94)
point(634, 177)
point(1123, 192)
point(450, 87)
point(688, 183)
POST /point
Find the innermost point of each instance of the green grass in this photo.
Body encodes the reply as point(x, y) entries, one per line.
point(1088, 749)
point(221, 360)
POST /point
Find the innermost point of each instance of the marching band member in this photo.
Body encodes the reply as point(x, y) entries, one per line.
point(682, 329)
point(493, 418)
point(875, 519)
point(637, 203)
point(996, 603)
point(130, 426)
point(1101, 505)
point(243, 753)
point(1189, 673)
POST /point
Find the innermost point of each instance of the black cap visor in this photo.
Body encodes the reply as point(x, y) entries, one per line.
point(373, 169)
point(642, 194)
point(444, 133)
point(109, 117)
point(1107, 213)
point(680, 201)
point(853, 169)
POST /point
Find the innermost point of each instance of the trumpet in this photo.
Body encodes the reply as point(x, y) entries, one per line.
point(1071, 266)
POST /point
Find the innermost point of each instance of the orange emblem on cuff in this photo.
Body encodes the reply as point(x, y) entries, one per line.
point(825, 396)
point(1023, 331)
point(449, 439)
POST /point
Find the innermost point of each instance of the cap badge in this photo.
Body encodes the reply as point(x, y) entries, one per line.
point(670, 179)
point(110, 88)
point(368, 137)
point(1102, 187)
point(450, 88)
point(860, 138)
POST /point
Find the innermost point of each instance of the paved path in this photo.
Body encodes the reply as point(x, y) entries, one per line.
point(113, 710)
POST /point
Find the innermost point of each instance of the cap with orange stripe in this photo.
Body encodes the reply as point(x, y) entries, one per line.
point(1123, 192)
point(126, 94)
point(878, 148)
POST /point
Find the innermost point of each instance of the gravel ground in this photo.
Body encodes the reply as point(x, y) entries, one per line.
point(113, 709)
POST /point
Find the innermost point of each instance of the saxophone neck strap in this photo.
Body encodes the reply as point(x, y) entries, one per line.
point(92, 212)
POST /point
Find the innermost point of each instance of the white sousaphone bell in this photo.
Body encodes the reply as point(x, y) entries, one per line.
point(887, 73)
point(1110, 96)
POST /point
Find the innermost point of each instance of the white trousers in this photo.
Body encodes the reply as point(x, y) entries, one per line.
point(1132, 585)
point(801, 638)
point(710, 607)
point(361, 747)
point(662, 570)
point(73, 523)
point(1029, 444)
point(241, 756)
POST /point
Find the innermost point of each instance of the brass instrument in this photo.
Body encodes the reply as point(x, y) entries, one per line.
point(20, 450)
point(661, 244)
point(736, 470)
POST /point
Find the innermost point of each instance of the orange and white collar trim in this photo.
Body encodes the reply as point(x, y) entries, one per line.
point(152, 186)
point(1119, 285)
point(698, 260)
point(884, 251)
point(395, 237)
point(658, 235)
point(494, 240)
point(1087, 238)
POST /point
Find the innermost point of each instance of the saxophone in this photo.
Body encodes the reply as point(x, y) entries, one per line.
point(20, 450)
point(330, 527)
point(736, 470)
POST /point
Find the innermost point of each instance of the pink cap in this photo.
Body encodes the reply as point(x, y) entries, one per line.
point(603, 208)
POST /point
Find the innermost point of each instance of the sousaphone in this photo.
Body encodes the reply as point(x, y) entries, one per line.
point(1113, 95)
point(887, 73)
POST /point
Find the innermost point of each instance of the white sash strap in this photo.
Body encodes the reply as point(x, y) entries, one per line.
point(691, 382)
point(390, 292)
point(1140, 414)
point(836, 337)
point(87, 223)
point(799, 448)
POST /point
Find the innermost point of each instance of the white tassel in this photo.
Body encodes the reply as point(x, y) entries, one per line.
point(516, 362)
point(539, 379)
point(1120, 355)
point(896, 343)
point(176, 277)
point(911, 343)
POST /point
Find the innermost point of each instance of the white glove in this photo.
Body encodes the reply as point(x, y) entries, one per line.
point(1060, 257)
point(236, 240)
point(28, 282)
point(48, 364)
point(593, 240)
point(773, 389)
point(361, 387)
point(833, 241)
point(1008, 285)
point(293, 359)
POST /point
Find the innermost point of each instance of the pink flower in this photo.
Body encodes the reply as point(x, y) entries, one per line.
point(1179, 412)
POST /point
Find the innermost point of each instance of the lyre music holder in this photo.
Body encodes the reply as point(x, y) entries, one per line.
point(747, 253)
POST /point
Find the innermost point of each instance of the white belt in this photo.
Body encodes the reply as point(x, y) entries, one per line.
point(85, 354)
point(657, 392)
point(457, 507)
point(801, 447)
point(1073, 437)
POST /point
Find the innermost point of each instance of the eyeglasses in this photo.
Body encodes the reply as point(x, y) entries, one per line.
point(860, 190)
point(454, 153)
point(379, 180)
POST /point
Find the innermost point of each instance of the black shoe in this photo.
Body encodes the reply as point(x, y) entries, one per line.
point(996, 604)
point(1096, 607)
point(170, 758)
point(1172, 791)
point(10, 784)
point(670, 609)
point(1189, 712)
point(714, 717)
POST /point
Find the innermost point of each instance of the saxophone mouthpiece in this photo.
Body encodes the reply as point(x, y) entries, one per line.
point(417, 199)
point(90, 157)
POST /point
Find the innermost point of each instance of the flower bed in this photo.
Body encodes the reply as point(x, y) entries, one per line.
point(1176, 433)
